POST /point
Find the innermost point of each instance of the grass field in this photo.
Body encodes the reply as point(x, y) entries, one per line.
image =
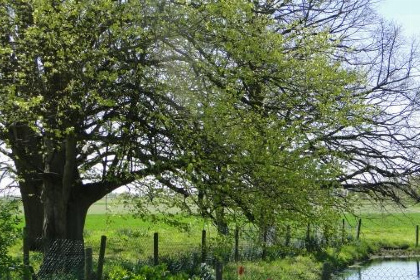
point(131, 239)
point(387, 225)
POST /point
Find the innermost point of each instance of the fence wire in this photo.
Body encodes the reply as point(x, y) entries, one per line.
point(185, 254)
point(384, 270)
point(62, 256)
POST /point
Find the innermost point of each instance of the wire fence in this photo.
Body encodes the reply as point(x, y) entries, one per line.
point(134, 246)
point(384, 270)
point(185, 254)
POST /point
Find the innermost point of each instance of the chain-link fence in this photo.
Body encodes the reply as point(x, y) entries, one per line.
point(384, 270)
point(130, 246)
point(186, 254)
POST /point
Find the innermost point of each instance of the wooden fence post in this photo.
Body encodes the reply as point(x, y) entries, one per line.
point(236, 244)
point(25, 247)
point(326, 271)
point(101, 258)
point(343, 232)
point(26, 272)
point(88, 263)
point(219, 270)
point(417, 236)
point(156, 248)
point(308, 236)
point(288, 236)
point(359, 226)
point(203, 246)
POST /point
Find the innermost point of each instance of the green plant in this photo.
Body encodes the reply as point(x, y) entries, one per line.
point(9, 232)
point(159, 272)
point(206, 272)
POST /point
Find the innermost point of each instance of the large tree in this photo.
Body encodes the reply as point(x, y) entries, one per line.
point(87, 104)
point(300, 99)
point(311, 132)
point(250, 102)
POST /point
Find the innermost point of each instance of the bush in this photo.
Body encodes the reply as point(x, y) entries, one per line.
point(159, 272)
point(9, 231)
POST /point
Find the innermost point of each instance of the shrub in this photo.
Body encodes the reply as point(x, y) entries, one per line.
point(9, 231)
point(159, 272)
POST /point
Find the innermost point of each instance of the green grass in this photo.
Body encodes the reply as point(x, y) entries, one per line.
point(131, 239)
point(298, 268)
point(388, 226)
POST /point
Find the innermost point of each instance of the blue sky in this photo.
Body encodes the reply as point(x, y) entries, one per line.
point(404, 12)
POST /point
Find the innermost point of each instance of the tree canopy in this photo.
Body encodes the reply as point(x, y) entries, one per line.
point(261, 108)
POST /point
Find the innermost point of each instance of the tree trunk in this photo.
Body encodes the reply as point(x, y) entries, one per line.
point(34, 214)
point(63, 235)
point(54, 199)
point(25, 145)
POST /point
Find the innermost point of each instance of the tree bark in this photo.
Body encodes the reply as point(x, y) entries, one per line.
point(64, 243)
point(34, 214)
point(54, 200)
point(25, 146)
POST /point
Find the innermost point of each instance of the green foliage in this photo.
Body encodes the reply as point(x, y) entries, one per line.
point(297, 268)
point(208, 109)
point(258, 151)
point(348, 254)
point(9, 230)
point(144, 273)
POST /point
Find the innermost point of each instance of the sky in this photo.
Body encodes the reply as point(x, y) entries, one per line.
point(403, 12)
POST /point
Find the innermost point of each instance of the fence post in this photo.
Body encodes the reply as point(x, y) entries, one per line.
point(88, 263)
point(203, 246)
point(359, 226)
point(156, 248)
point(25, 246)
point(326, 271)
point(101, 257)
point(236, 244)
point(288, 236)
point(343, 232)
point(417, 236)
point(219, 270)
point(26, 272)
point(308, 236)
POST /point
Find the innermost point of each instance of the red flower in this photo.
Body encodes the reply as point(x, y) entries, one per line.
point(241, 270)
